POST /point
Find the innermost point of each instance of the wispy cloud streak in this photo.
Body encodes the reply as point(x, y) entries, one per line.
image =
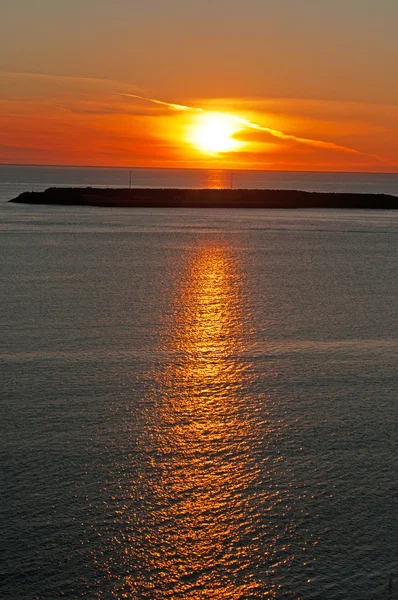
point(162, 103)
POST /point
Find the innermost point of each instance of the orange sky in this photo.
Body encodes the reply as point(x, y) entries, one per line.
point(300, 86)
point(62, 120)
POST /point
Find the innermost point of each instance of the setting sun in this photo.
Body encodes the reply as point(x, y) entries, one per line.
point(214, 133)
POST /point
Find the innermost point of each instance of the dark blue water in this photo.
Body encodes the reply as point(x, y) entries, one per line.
point(198, 404)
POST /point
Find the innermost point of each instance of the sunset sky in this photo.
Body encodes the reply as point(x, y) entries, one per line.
point(282, 84)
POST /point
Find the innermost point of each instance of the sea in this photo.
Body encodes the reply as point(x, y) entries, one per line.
point(197, 403)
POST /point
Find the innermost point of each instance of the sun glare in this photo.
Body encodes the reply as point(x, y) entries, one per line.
point(213, 133)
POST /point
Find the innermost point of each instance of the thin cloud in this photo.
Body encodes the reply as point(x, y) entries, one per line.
point(162, 103)
point(44, 76)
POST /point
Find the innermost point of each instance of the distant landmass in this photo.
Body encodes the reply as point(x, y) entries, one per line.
point(206, 198)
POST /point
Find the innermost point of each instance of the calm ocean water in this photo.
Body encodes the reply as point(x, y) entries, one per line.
point(17, 179)
point(197, 404)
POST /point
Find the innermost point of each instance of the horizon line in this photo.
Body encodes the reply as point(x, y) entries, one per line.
point(264, 170)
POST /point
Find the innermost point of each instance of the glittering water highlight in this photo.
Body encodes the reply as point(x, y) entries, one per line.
point(193, 524)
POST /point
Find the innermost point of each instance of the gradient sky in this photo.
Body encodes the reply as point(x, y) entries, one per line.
point(320, 71)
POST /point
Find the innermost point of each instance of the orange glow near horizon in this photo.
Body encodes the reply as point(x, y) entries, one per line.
point(70, 121)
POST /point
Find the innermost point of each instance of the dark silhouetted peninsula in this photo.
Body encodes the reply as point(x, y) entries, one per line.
point(207, 198)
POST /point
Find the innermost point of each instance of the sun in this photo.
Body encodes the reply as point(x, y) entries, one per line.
point(213, 133)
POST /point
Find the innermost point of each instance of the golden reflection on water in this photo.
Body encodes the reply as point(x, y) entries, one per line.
point(192, 533)
point(201, 427)
point(218, 179)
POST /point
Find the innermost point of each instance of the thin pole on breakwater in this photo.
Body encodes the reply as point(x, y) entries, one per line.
point(232, 180)
point(129, 180)
point(390, 584)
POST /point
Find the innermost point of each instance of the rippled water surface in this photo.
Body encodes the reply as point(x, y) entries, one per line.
point(198, 404)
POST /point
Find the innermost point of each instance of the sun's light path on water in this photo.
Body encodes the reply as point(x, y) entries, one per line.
point(213, 133)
